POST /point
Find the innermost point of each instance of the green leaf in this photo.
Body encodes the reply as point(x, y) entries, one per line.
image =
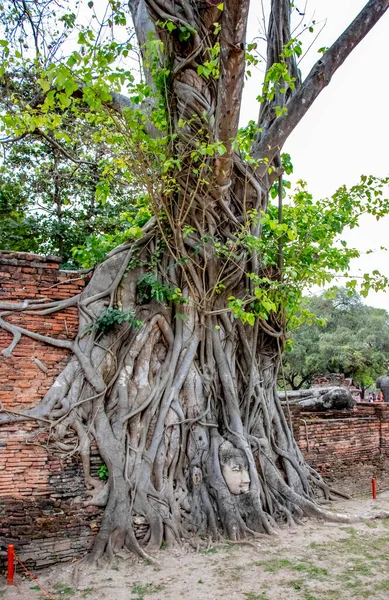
point(45, 85)
point(170, 26)
point(298, 50)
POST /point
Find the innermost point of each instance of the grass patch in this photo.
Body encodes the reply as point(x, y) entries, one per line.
point(63, 588)
point(327, 595)
point(361, 568)
point(359, 589)
point(237, 571)
point(385, 522)
point(382, 557)
point(354, 545)
point(306, 567)
point(227, 547)
point(350, 530)
point(212, 550)
point(149, 588)
point(296, 584)
point(365, 560)
point(274, 565)
point(254, 596)
point(316, 546)
point(310, 569)
point(383, 585)
point(371, 524)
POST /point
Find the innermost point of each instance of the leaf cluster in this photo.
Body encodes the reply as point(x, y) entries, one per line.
point(103, 472)
point(150, 288)
point(114, 316)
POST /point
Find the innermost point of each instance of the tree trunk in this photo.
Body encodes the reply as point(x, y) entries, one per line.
point(177, 405)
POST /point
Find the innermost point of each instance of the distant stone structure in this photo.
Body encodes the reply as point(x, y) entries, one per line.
point(336, 398)
point(330, 379)
point(382, 384)
point(336, 380)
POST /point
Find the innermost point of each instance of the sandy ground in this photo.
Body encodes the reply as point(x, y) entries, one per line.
point(317, 561)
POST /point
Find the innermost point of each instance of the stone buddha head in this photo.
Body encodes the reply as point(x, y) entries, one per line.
point(235, 468)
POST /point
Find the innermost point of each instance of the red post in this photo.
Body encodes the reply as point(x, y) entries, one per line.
point(11, 564)
point(374, 488)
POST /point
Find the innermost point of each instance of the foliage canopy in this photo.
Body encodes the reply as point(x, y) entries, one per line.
point(345, 337)
point(86, 167)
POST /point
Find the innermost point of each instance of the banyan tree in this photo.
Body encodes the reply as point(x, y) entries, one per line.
point(182, 327)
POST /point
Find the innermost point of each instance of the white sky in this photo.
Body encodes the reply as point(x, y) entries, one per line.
point(346, 132)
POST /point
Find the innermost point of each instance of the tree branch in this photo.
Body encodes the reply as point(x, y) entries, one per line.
point(144, 30)
point(232, 68)
point(278, 35)
point(271, 143)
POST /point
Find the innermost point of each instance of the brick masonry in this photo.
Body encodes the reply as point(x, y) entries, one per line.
point(42, 495)
point(349, 447)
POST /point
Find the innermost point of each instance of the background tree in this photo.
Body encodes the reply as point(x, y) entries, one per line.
point(346, 337)
point(182, 327)
point(18, 231)
point(56, 201)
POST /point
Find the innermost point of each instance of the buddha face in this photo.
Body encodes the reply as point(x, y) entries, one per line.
point(234, 468)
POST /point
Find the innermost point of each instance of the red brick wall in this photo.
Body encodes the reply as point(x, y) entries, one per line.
point(346, 446)
point(28, 277)
point(41, 495)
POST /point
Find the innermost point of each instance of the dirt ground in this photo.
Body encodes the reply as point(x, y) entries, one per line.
point(317, 561)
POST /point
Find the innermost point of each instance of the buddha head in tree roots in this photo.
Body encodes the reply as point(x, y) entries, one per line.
point(235, 468)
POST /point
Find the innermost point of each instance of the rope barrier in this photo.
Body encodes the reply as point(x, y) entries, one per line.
point(32, 576)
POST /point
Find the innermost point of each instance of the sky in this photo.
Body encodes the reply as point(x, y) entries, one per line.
point(346, 132)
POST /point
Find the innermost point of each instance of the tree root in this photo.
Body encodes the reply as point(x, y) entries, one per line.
point(159, 401)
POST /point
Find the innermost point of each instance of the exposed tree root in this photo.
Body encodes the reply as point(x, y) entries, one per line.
point(159, 401)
